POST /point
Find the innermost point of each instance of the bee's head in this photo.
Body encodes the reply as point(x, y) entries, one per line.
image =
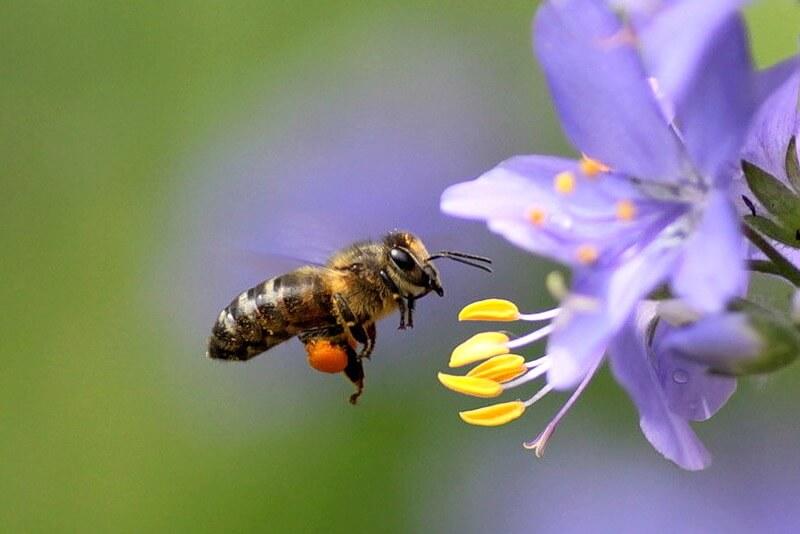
point(408, 265)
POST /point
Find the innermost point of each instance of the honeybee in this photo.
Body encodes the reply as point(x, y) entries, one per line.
point(333, 308)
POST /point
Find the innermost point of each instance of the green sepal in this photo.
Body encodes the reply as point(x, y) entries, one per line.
point(777, 199)
point(772, 230)
point(793, 165)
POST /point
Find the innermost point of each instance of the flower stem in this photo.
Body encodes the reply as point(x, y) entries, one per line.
point(763, 266)
point(780, 265)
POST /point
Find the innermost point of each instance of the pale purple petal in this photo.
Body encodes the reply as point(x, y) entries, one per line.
point(770, 79)
point(598, 306)
point(706, 74)
point(691, 390)
point(773, 124)
point(711, 270)
point(506, 196)
point(601, 92)
point(506, 191)
point(669, 433)
point(715, 340)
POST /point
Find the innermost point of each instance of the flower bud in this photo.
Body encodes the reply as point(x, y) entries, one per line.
point(751, 341)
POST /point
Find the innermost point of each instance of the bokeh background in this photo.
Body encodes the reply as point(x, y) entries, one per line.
point(159, 157)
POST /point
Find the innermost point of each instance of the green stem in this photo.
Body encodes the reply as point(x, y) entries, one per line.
point(763, 266)
point(781, 266)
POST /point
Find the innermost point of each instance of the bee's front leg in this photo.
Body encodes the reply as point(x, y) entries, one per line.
point(410, 312)
point(398, 299)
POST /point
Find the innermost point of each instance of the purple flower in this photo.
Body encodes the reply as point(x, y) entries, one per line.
point(648, 359)
point(660, 124)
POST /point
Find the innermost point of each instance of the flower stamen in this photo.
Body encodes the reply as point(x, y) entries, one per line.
point(626, 210)
point(536, 335)
point(587, 254)
point(547, 388)
point(489, 310)
point(471, 385)
point(479, 347)
point(537, 216)
point(533, 374)
point(500, 368)
point(591, 167)
point(564, 183)
point(494, 415)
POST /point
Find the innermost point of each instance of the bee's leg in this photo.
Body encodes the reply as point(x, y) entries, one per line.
point(397, 298)
point(348, 319)
point(371, 333)
point(410, 312)
point(355, 372)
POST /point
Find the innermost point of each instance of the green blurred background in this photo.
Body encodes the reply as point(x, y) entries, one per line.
point(142, 143)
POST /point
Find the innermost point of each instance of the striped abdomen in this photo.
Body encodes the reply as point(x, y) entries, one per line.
point(270, 313)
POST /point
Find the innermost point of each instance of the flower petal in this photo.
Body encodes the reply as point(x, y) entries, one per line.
point(551, 207)
point(770, 79)
point(692, 391)
point(670, 434)
point(711, 271)
point(599, 305)
point(776, 121)
point(706, 75)
point(715, 339)
point(601, 92)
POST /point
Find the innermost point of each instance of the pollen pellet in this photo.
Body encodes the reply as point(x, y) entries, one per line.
point(326, 356)
point(564, 182)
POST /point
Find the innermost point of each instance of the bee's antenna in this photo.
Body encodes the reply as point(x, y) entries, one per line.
point(464, 258)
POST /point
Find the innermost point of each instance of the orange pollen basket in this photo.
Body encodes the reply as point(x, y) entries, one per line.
point(326, 356)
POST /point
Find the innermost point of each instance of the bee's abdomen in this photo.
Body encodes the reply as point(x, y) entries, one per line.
point(266, 315)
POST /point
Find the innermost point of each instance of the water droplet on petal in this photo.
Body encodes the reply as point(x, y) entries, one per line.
point(679, 376)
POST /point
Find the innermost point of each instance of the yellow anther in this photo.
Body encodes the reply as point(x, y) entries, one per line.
point(587, 254)
point(470, 385)
point(591, 167)
point(500, 368)
point(479, 347)
point(537, 216)
point(626, 210)
point(564, 183)
point(495, 415)
point(489, 310)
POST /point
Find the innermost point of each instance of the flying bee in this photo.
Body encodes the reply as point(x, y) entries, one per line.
point(333, 308)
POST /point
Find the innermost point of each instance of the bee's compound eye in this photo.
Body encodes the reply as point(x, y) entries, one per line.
point(402, 259)
point(326, 356)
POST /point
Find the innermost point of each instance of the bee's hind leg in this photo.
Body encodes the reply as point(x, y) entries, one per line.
point(355, 372)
